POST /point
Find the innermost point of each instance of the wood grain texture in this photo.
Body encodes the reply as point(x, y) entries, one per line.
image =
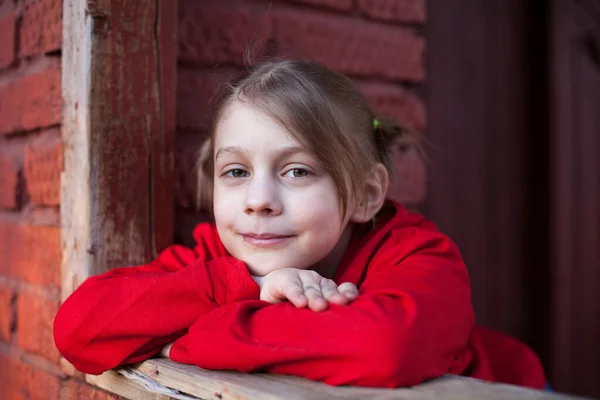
point(76, 192)
point(217, 385)
point(119, 63)
point(514, 175)
point(575, 195)
point(477, 121)
point(221, 385)
point(118, 384)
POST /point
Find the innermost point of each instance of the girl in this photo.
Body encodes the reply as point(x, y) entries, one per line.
point(297, 168)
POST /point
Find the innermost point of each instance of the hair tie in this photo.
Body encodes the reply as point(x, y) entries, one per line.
point(376, 123)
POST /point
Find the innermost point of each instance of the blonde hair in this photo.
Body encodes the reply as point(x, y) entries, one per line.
point(322, 109)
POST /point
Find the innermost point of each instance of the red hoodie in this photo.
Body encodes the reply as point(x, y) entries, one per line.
point(412, 321)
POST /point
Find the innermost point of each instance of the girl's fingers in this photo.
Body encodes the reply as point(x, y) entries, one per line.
point(311, 283)
point(331, 293)
point(348, 290)
point(293, 291)
point(305, 288)
point(296, 297)
point(316, 301)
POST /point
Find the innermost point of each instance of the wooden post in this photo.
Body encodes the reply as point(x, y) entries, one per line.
point(118, 84)
point(574, 95)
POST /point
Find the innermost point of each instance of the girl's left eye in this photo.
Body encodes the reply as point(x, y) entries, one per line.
point(297, 173)
point(237, 173)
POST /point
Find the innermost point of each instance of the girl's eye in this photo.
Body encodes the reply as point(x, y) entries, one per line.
point(297, 173)
point(237, 173)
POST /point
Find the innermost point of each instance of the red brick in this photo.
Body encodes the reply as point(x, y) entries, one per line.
point(196, 94)
point(35, 316)
point(211, 33)
point(6, 6)
point(33, 101)
point(77, 390)
point(409, 178)
point(395, 102)
point(8, 28)
point(43, 165)
point(31, 253)
point(20, 381)
point(9, 182)
point(41, 30)
point(343, 5)
point(7, 312)
point(352, 46)
point(394, 10)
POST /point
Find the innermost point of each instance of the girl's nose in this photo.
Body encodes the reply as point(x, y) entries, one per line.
point(263, 198)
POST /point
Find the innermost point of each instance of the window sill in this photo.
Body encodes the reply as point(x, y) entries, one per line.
point(162, 379)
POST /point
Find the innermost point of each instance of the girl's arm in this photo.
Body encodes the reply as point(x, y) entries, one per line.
point(127, 314)
point(411, 322)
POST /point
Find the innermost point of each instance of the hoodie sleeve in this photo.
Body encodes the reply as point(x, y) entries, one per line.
point(411, 322)
point(128, 314)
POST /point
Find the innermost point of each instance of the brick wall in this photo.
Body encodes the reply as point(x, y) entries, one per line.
point(30, 165)
point(375, 42)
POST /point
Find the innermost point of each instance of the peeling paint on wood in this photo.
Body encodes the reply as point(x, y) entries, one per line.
point(119, 62)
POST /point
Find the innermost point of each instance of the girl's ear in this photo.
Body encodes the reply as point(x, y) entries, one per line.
point(377, 182)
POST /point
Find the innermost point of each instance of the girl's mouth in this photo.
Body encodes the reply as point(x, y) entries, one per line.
point(265, 239)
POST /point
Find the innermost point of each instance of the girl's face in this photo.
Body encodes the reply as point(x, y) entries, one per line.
point(275, 206)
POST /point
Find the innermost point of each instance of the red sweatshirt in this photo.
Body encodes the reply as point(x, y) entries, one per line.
point(412, 321)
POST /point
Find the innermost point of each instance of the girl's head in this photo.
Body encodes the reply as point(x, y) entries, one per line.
point(296, 157)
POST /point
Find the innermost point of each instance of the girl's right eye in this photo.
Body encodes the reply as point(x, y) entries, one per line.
point(237, 173)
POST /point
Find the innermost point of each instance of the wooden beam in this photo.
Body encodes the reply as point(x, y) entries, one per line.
point(115, 383)
point(194, 382)
point(218, 385)
point(75, 209)
point(118, 84)
point(574, 95)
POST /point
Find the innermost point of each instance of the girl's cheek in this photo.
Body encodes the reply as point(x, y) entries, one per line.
point(223, 204)
point(222, 194)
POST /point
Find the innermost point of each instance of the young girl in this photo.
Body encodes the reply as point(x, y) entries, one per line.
point(297, 168)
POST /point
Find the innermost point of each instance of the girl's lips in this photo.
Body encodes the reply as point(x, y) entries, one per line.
point(265, 239)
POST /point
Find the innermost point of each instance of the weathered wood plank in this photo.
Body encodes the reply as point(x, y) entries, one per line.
point(349, 392)
point(219, 385)
point(118, 384)
point(75, 189)
point(163, 164)
point(118, 78)
point(460, 387)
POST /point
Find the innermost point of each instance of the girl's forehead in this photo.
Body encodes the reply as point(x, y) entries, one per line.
point(243, 125)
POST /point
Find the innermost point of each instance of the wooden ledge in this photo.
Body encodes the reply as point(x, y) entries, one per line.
point(162, 379)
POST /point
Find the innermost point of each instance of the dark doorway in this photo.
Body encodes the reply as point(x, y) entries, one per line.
point(512, 88)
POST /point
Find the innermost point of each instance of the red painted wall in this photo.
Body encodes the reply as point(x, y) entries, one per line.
point(375, 42)
point(30, 166)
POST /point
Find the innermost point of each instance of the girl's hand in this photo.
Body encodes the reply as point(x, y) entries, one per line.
point(304, 288)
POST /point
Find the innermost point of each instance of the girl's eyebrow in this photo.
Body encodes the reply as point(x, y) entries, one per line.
point(235, 150)
point(290, 150)
point(280, 153)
